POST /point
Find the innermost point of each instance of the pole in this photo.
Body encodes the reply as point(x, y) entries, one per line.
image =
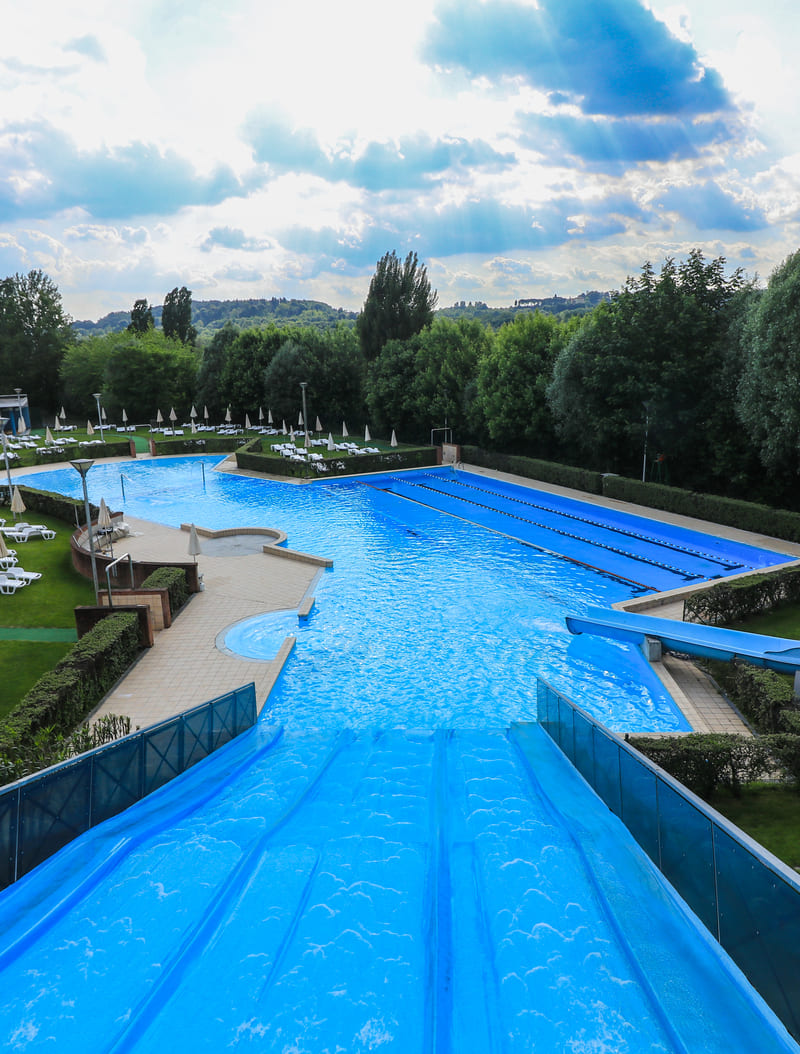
point(99, 415)
point(646, 430)
point(303, 385)
point(82, 465)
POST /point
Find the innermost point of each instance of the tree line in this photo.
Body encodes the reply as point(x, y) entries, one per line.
point(688, 375)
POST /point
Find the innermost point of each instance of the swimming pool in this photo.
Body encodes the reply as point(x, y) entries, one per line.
point(438, 613)
point(430, 890)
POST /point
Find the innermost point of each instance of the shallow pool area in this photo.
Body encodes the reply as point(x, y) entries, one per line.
point(396, 857)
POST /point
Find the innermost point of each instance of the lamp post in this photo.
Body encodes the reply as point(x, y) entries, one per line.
point(5, 454)
point(646, 430)
point(19, 410)
point(82, 465)
point(304, 385)
point(99, 415)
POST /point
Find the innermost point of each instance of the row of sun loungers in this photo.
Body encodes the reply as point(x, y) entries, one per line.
point(23, 532)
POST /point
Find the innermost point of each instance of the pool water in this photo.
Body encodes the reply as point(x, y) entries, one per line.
point(332, 885)
point(439, 612)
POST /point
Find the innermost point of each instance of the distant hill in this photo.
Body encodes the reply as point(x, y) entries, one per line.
point(210, 315)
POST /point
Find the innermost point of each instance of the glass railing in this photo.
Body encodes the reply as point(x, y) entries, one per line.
point(41, 813)
point(746, 898)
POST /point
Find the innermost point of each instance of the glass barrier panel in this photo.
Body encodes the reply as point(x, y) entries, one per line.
point(584, 747)
point(53, 810)
point(9, 812)
point(163, 754)
point(566, 731)
point(246, 713)
point(639, 802)
point(116, 778)
point(223, 720)
point(687, 853)
point(759, 924)
point(196, 736)
point(606, 770)
point(544, 702)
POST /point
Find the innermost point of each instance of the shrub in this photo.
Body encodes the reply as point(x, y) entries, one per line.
point(173, 579)
point(386, 461)
point(531, 468)
point(785, 749)
point(705, 761)
point(731, 602)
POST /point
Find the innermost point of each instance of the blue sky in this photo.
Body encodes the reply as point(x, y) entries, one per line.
point(520, 148)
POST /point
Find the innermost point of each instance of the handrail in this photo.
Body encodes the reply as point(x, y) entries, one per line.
point(119, 560)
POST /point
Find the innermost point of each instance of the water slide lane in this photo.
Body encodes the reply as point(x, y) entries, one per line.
point(433, 892)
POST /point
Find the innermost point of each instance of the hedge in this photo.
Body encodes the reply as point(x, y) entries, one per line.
point(173, 579)
point(745, 515)
point(387, 461)
point(703, 762)
point(62, 698)
point(731, 602)
point(547, 471)
point(207, 444)
point(71, 510)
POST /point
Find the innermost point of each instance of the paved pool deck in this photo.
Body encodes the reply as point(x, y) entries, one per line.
point(186, 667)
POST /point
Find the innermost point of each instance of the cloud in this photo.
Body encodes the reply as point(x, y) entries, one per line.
point(709, 207)
point(612, 142)
point(410, 162)
point(43, 173)
point(609, 57)
point(89, 46)
point(232, 238)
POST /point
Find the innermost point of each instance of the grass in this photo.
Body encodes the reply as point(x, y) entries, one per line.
point(769, 813)
point(781, 622)
point(48, 602)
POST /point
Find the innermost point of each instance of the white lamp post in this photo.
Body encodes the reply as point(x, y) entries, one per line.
point(99, 415)
point(304, 385)
point(82, 465)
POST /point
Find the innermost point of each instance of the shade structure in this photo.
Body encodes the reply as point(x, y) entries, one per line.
point(247, 421)
point(345, 433)
point(56, 423)
point(318, 426)
point(367, 436)
point(269, 417)
point(194, 543)
point(283, 427)
point(393, 441)
point(48, 436)
point(124, 416)
point(193, 412)
point(17, 504)
point(331, 444)
point(228, 417)
point(172, 415)
point(159, 417)
point(103, 516)
point(89, 429)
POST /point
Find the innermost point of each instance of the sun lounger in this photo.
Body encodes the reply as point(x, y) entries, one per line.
point(24, 534)
point(20, 574)
point(10, 585)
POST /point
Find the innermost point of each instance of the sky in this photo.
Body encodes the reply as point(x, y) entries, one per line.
point(521, 148)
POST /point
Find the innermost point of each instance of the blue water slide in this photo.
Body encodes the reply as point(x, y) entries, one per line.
point(691, 638)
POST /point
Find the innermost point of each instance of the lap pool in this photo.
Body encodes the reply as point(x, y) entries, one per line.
point(386, 861)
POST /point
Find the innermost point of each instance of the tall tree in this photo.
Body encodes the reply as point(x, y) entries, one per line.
point(141, 317)
point(34, 335)
point(176, 315)
point(399, 303)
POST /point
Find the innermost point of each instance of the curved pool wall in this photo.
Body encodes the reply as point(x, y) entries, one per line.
point(438, 612)
point(402, 891)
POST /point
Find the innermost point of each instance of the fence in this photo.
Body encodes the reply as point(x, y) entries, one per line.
point(41, 813)
point(747, 899)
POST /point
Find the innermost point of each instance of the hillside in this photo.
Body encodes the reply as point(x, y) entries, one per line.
point(210, 315)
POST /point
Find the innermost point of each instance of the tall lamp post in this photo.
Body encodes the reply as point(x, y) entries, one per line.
point(82, 465)
point(304, 385)
point(646, 430)
point(99, 415)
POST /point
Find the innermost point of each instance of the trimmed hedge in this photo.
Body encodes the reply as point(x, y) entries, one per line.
point(62, 698)
point(735, 601)
point(703, 762)
point(199, 445)
point(173, 579)
point(62, 508)
point(275, 465)
point(745, 515)
point(530, 468)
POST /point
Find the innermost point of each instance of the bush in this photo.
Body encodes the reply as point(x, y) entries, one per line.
point(60, 700)
point(703, 762)
point(731, 602)
point(786, 751)
point(762, 695)
point(530, 468)
point(746, 515)
point(173, 579)
point(70, 510)
point(387, 461)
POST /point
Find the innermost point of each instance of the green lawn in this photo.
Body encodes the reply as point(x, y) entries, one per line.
point(768, 813)
point(48, 602)
point(782, 622)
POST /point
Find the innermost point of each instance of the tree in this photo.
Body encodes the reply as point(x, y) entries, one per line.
point(149, 372)
point(768, 401)
point(34, 335)
point(83, 370)
point(141, 317)
point(176, 316)
point(399, 303)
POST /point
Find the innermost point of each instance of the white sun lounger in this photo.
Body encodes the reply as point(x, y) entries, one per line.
point(20, 574)
point(10, 585)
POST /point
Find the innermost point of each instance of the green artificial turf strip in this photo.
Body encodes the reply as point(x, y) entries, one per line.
point(770, 814)
point(22, 663)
